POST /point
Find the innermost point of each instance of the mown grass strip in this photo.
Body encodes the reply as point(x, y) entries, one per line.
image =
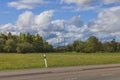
point(27, 61)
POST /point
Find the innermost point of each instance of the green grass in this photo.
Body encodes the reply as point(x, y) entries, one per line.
point(26, 61)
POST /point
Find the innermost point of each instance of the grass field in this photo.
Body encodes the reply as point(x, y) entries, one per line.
point(26, 61)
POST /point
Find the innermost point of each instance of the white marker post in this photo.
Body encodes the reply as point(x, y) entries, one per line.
point(45, 60)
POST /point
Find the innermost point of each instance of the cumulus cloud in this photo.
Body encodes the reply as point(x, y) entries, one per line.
point(107, 23)
point(89, 2)
point(30, 23)
point(76, 20)
point(8, 28)
point(110, 1)
point(78, 2)
point(54, 31)
point(106, 26)
point(70, 30)
point(86, 5)
point(26, 4)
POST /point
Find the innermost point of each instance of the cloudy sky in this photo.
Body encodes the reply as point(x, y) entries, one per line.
point(55, 19)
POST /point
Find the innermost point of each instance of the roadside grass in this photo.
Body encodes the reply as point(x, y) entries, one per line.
point(27, 61)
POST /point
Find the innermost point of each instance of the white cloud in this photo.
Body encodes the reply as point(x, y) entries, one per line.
point(105, 26)
point(26, 4)
point(57, 25)
point(86, 8)
point(72, 29)
point(29, 22)
point(51, 30)
point(78, 2)
point(76, 20)
point(107, 22)
point(25, 19)
point(44, 17)
point(86, 5)
point(110, 1)
point(89, 2)
point(8, 28)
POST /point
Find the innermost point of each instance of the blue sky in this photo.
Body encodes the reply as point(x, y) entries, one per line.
point(55, 18)
point(7, 12)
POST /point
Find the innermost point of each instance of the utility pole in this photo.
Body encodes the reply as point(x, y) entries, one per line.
point(64, 42)
point(58, 42)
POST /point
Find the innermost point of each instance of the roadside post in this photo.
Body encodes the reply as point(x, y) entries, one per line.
point(44, 55)
point(45, 60)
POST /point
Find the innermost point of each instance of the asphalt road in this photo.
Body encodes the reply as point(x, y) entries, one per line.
point(101, 72)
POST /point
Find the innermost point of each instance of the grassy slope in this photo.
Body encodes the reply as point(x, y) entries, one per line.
point(24, 61)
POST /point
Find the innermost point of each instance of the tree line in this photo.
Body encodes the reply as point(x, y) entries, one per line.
point(23, 43)
point(92, 45)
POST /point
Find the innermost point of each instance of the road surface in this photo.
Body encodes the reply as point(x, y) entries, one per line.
point(98, 72)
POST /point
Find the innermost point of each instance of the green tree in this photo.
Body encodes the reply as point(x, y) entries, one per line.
point(10, 46)
point(79, 46)
point(22, 37)
point(9, 35)
point(114, 45)
point(3, 36)
point(47, 47)
point(38, 43)
point(2, 43)
point(111, 46)
point(107, 47)
point(118, 47)
point(92, 45)
point(24, 47)
point(70, 48)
